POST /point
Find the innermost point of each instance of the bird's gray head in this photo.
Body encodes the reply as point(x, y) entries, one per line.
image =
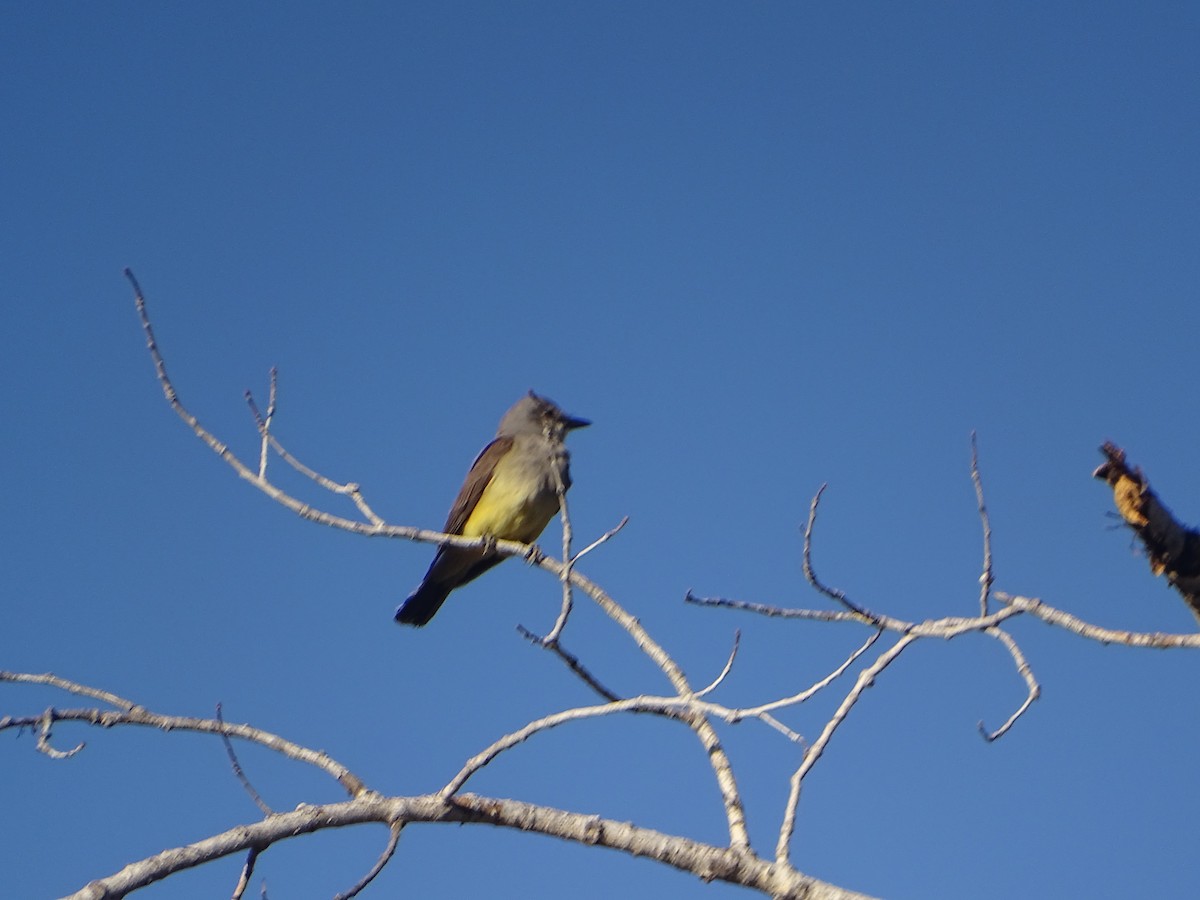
point(537, 415)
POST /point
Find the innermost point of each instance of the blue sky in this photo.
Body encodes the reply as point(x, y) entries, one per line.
point(763, 247)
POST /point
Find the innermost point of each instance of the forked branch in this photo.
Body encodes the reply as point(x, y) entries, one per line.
point(563, 570)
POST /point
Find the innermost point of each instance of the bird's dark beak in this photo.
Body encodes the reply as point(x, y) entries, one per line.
point(570, 423)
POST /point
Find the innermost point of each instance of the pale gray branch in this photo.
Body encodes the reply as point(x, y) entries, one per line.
point(716, 682)
point(865, 679)
point(137, 715)
point(239, 772)
point(1034, 690)
point(1057, 617)
point(733, 865)
point(239, 889)
point(384, 858)
point(560, 487)
point(987, 578)
point(607, 536)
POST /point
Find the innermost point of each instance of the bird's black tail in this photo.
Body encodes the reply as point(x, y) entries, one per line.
point(422, 604)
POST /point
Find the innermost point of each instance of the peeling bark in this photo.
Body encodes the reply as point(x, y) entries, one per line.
point(1172, 548)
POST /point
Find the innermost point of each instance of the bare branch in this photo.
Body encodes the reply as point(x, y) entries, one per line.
point(781, 612)
point(810, 574)
point(384, 858)
point(986, 578)
point(728, 864)
point(43, 741)
point(737, 637)
point(715, 752)
point(237, 770)
point(1057, 617)
point(137, 715)
point(1024, 670)
point(264, 422)
point(349, 489)
point(572, 663)
point(560, 487)
point(802, 696)
point(670, 707)
point(243, 471)
point(794, 736)
point(80, 690)
point(247, 873)
point(865, 679)
point(608, 535)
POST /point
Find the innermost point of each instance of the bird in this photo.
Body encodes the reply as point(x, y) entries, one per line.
point(510, 493)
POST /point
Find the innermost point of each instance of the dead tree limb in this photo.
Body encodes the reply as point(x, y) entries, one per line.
point(1172, 548)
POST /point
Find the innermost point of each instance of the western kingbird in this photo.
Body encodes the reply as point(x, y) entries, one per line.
point(510, 494)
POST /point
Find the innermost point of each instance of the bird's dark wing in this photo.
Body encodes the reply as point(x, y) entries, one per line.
point(477, 479)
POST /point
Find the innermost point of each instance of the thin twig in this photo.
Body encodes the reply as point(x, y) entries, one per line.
point(810, 573)
point(802, 696)
point(264, 422)
point(245, 472)
point(718, 759)
point(664, 705)
point(384, 858)
point(600, 540)
point(247, 873)
point(572, 663)
point(241, 775)
point(560, 487)
point(349, 489)
point(550, 641)
point(681, 708)
point(781, 612)
point(794, 736)
point(1034, 690)
point(737, 639)
point(987, 578)
point(43, 740)
point(865, 679)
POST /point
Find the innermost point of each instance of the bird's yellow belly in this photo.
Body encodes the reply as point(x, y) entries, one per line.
point(510, 512)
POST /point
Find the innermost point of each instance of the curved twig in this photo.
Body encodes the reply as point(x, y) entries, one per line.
point(716, 682)
point(1023, 668)
point(810, 574)
point(384, 858)
point(44, 723)
point(239, 772)
point(71, 687)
